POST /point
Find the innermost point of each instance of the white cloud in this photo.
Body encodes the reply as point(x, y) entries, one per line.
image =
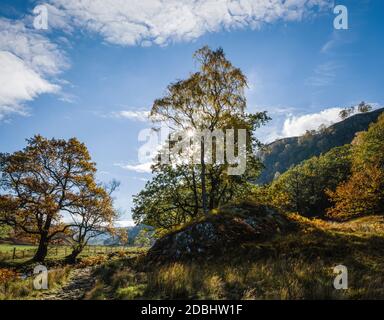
point(140, 168)
point(146, 22)
point(36, 50)
point(124, 223)
point(269, 133)
point(298, 125)
point(18, 83)
point(135, 115)
point(27, 61)
point(57, 19)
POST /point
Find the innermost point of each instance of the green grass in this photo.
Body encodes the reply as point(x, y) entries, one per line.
point(55, 253)
point(6, 248)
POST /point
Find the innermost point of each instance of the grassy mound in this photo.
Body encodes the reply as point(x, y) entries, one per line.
point(294, 265)
point(232, 227)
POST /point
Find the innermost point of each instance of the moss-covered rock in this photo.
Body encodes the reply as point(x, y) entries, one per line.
point(233, 226)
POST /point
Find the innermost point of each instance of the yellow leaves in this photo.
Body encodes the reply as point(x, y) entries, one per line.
point(205, 98)
point(122, 235)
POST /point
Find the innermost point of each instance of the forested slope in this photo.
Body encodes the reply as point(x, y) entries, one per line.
point(281, 154)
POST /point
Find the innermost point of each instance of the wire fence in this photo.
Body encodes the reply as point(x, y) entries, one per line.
point(18, 252)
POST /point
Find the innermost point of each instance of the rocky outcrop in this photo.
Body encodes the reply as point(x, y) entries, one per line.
point(229, 229)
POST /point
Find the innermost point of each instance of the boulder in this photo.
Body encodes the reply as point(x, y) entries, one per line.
point(231, 227)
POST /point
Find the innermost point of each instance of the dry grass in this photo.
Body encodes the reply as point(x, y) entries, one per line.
point(294, 266)
point(22, 289)
point(298, 265)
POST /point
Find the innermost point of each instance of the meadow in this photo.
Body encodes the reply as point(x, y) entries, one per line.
point(19, 254)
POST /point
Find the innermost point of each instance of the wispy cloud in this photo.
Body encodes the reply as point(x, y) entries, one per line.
point(140, 168)
point(337, 40)
point(29, 63)
point(141, 179)
point(278, 110)
point(333, 42)
point(324, 74)
point(147, 22)
point(135, 115)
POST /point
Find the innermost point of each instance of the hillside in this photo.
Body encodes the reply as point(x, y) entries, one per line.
point(281, 154)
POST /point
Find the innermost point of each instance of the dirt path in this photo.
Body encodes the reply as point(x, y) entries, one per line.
point(80, 281)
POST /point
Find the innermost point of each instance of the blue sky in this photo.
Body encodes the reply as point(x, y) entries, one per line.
point(97, 69)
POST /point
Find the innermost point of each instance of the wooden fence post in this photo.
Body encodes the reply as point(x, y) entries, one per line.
point(14, 253)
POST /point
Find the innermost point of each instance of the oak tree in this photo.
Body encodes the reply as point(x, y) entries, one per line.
point(40, 183)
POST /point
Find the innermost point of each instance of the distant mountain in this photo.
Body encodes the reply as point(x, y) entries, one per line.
point(110, 240)
point(281, 154)
point(99, 240)
point(134, 231)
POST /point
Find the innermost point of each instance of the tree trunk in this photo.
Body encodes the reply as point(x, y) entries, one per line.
point(213, 192)
point(42, 250)
point(203, 187)
point(195, 193)
point(74, 254)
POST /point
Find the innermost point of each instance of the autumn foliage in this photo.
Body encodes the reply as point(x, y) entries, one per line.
point(47, 178)
point(345, 182)
point(363, 193)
